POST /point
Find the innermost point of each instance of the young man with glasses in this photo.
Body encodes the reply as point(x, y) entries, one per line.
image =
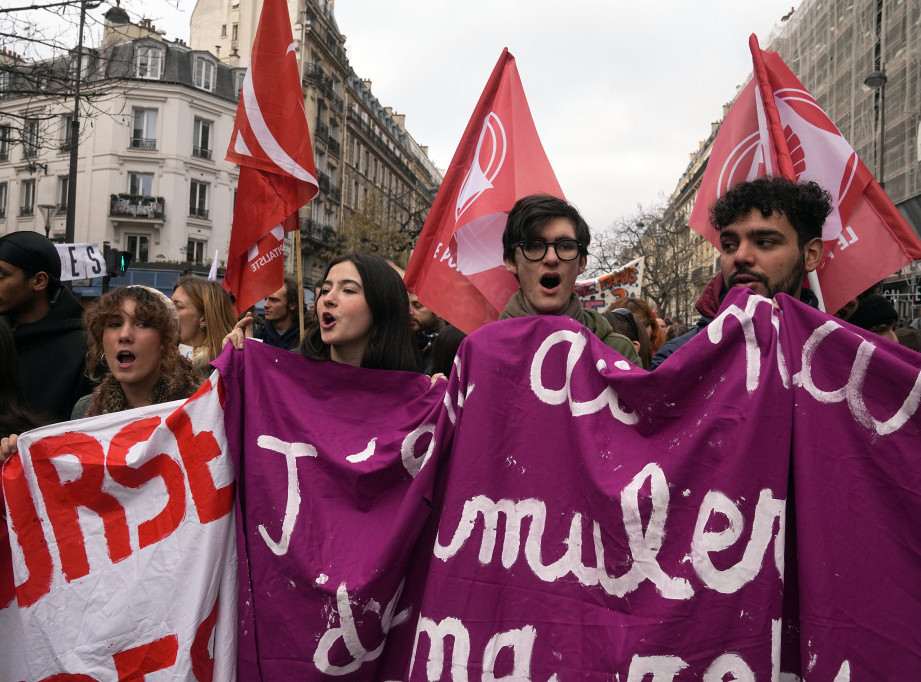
point(545, 245)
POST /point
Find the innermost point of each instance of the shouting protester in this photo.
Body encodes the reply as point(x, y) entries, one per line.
point(363, 317)
point(135, 330)
point(545, 245)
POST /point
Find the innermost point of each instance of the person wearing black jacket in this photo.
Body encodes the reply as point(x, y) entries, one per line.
point(281, 328)
point(45, 318)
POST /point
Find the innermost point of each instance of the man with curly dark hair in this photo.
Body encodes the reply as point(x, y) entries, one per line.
point(770, 238)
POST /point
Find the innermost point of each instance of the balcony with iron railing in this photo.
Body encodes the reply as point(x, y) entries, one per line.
point(136, 206)
point(332, 146)
point(196, 212)
point(317, 232)
point(26, 211)
point(201, 153)
point(143, 143)
point(322, 132)
point(378, 141)
point(323, 181)
point(335, 194)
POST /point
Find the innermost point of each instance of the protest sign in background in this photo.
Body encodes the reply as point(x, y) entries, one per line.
point(80, 261)
point(602, 291)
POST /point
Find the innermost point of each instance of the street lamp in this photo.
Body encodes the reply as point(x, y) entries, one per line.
point(877, 81)
point(48, 212)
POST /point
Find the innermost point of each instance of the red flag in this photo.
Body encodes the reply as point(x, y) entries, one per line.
point(456, 269)
point(271, 143)
point(775, 127)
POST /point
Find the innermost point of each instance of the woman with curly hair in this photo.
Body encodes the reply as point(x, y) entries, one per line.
point(135, 332)
point(205, 317)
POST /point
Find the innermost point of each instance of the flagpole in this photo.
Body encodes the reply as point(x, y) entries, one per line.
point(300, 280)
point(778, 139)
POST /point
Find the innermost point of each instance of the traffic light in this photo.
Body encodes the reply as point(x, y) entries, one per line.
point(117, 262)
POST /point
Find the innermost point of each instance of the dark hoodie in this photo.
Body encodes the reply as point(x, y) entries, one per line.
point(288, 340)
point(52, 357)
point(708, 305)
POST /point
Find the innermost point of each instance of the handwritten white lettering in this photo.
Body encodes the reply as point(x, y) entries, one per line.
point(348, 633)
point(577, 343)
point(852, 391)
point(291, 452)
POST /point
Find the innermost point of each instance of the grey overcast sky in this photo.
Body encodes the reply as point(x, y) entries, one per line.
point(621, 92)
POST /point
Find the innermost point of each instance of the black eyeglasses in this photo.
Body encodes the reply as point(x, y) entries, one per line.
point(536, 249)
point(628, 314)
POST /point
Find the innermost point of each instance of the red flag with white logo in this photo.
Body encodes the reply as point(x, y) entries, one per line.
point(271, 143)
point(456, 269)
point(775, 127)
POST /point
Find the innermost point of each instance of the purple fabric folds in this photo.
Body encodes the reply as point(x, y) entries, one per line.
point(555, 513)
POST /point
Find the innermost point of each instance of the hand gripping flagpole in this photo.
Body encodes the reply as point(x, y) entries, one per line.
point(778, 139)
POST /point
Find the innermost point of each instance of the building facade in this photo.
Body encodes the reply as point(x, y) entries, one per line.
point(366, 159)
point(151, 176)
point(833, 48)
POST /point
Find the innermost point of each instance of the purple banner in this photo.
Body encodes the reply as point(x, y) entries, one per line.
point(559, 514)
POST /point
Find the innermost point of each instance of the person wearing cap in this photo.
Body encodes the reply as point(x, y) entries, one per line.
point(46, 321)
point(877, 315)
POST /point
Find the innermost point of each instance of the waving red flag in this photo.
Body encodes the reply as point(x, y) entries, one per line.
point(271, 143)
point(457, 269)
point(775, 127)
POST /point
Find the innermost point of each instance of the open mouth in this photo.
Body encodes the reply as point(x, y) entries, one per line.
point(550, 281)
point(124, 358)
point(327, 319)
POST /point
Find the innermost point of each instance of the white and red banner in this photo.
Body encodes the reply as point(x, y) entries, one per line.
point(600, 292)
point(775, 127)
point(122, 564)
point(271, 143)
point(456, 269)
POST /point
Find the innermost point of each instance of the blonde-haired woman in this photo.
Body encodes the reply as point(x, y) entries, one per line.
point(205, 318)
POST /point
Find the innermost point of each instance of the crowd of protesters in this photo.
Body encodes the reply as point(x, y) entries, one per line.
point(135, 346)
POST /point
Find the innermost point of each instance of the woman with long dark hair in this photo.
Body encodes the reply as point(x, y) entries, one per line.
point(362, 317)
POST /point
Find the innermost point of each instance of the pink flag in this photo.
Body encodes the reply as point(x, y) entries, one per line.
point(271, 143)
point(775, 127)
point(457, 269)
